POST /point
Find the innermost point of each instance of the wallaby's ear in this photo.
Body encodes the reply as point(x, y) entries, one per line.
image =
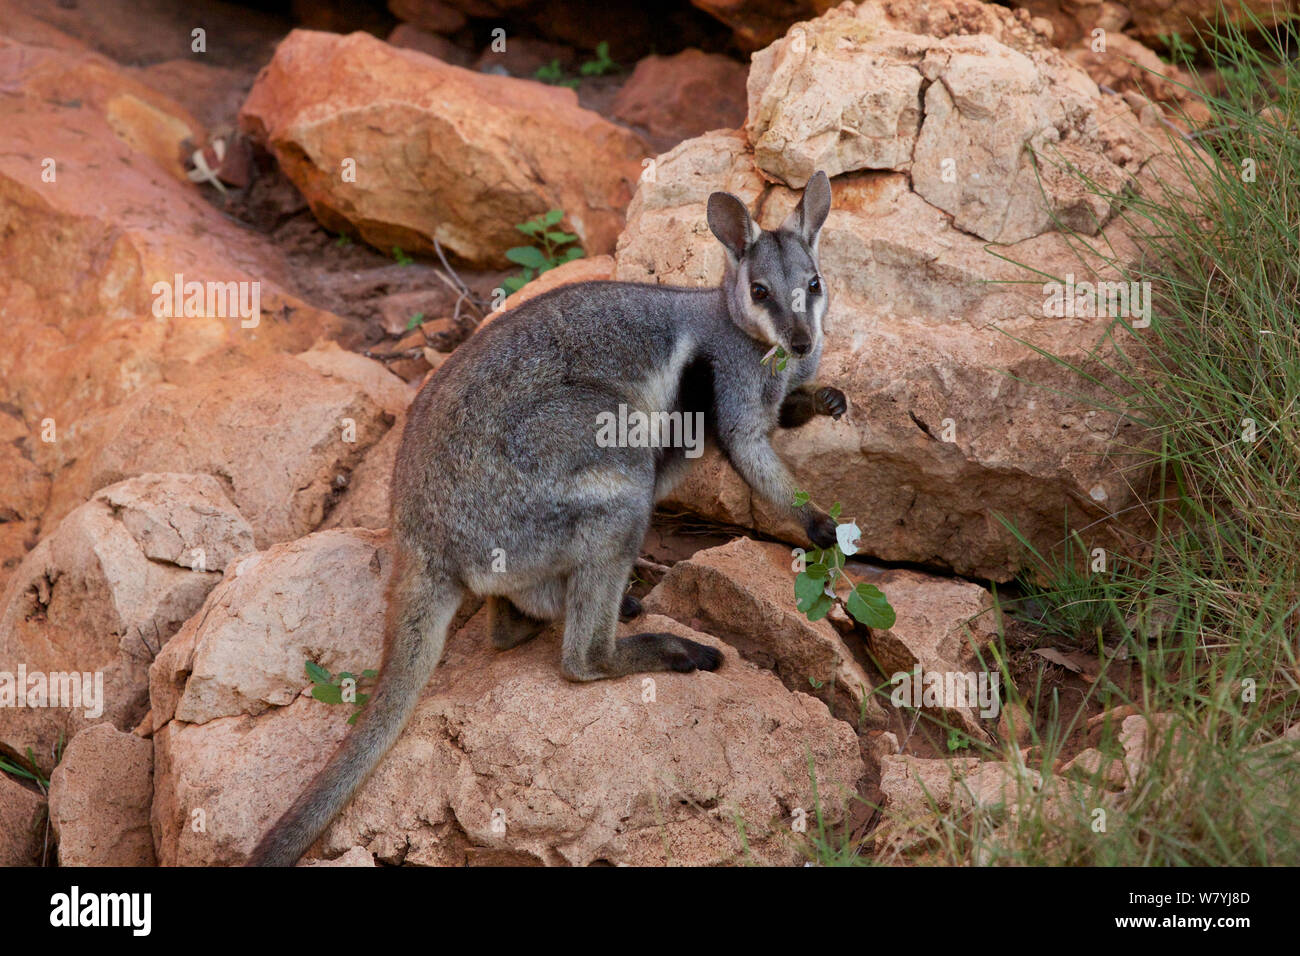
point(729, 220)
point(808, 217)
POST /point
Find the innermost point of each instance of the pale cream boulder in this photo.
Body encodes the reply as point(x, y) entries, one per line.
point(439, 152)
point(100, 795)
point(956, 421)
point(503, 757)
point(977, 123)
point(102, 594)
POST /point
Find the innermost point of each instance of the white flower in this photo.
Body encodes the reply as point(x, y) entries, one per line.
point(847, 535)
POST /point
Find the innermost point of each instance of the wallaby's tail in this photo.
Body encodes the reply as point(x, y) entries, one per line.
point(419, 613)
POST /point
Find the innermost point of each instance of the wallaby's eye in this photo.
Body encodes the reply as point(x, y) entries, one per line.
point(815, 285)
point(758, 291)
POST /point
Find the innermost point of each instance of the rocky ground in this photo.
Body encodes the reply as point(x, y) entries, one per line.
point(194, 505)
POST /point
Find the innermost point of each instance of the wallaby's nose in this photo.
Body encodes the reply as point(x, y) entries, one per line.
point(801, 343)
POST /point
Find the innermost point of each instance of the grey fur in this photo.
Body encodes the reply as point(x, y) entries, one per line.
point(499, 452)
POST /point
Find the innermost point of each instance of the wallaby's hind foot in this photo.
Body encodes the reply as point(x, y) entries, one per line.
point(630, 608)
point(661, 651)
point(510, 626)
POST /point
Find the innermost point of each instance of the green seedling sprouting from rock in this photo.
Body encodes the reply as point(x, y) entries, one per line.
point(414, 320)
point(957, 741)
point(815, 588)
point(601, 65)
point(401, 257)
point(553, 74)
point(340, 688)
point(551, 253)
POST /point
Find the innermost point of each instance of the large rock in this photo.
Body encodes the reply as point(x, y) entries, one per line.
point(82, 254)
point(942, 627)
point(744, 593)
point(314, 425)
point(955, 419)
point(440, 152)
point(100, 795)
point(672, 98)
point(981, 126)
point(97, 599)
point(503, 754)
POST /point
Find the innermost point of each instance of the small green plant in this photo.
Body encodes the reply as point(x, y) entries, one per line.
point(33, 774)
point(551, 253)
point(777, 356)
point(815, 588)
point(340, 688)
point(553, 74)
point(957, 740)
point(1181, 53)
point(601, 65)
point(401, 257)
point(343, 240)
point(414, 320)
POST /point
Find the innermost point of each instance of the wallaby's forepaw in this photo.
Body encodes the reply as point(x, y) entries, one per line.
point(820, 528)
point(830, 401)
point(629, 608)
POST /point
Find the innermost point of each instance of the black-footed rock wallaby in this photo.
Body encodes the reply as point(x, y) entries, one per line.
point(510, 485)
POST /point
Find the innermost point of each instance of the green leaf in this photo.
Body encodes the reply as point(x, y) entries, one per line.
point(835, 511)
point(552, 217)
point(370, 672)
point(869, 606)
point(570, 254)
point(529, 256)
point(328, 693)
point(806, 589)
point(801, 498)
point(353, 718)
point(513, 284)
point(530, 228)
point(819, 570)
point(819, 609)
point(317, 674)
point(414, 320)
point(560, 237)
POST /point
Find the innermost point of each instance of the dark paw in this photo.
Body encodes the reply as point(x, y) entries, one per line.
point(830, 401)
point(691, 655)
point(629, 608)
point(821, 529)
